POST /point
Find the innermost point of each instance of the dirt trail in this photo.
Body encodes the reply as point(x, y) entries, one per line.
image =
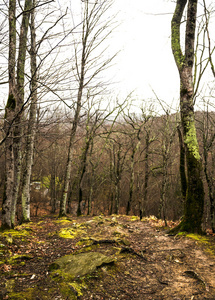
point(149, 264)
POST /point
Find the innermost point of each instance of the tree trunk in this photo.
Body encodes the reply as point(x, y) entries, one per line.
point(146, 178)
point(162, 208)
point(82, 172)
point(67, 176)
point(131, 184)
point(31, 132)
point(8, 120)
point(194, 203)
point(13, 113)
point(53, 191)
point(182, 167)
point(89, 209)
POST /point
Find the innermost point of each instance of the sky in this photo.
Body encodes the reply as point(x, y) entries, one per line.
point(145, 64)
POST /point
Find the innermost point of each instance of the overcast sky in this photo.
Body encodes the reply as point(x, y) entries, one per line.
point(146, 62)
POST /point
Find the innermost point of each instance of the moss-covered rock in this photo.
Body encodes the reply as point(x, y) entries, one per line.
point(71, 233)
point(80, 264)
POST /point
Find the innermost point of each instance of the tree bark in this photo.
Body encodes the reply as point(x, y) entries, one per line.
point(194, 203)
point(67, 176)
point(13, 113)
point(182, 166)
point(131, 185)
point(8, 120)
point(31, 124)
point(18, 124)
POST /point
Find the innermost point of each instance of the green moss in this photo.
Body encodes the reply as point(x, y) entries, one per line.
point(25, 295)
point(40, 222)
point(10, 234)
point(33, 293)
point(85, 242)
point(68, 291)
point(182, 233)
point(68, 233)
point(26, 226)
point(191, 140)
point(15, 233)
point(72, 232)
point(176, 47)
point(63, 221)
point(134, 218)
point(201, 239)
point(10, 283)
point(15, 259)
point(98, 218)
point(11, 102)
point(198, 237)
point(78, 287)
point(88, 249)
point(69, 287)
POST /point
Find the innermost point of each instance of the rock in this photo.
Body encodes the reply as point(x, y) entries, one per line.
point(80, 264)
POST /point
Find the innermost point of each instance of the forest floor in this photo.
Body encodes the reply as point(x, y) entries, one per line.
point(146, 263)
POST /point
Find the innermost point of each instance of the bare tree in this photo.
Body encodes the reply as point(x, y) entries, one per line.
point(194, 203)
point(31, 131)
point(94, 32)
point(14, 111)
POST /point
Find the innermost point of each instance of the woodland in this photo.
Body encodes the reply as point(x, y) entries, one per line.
point(84, 174)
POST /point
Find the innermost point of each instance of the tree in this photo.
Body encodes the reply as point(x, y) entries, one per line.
point(206, 123)
point(94, 32)
point(194, 202)
point(211, 49)
point(139, 126)
point(167, 139)
point(31, 131)
point(14, 112)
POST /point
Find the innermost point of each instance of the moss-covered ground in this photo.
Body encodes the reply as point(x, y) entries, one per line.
point(146, 262)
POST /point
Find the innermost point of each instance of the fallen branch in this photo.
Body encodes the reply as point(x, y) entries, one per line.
point(194, 275)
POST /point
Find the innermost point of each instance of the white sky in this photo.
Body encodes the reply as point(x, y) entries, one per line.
point(146, 61)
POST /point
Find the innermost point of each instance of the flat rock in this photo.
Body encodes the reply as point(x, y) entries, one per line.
point(81, 264)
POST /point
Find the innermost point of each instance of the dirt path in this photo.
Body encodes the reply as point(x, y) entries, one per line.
point(149, 264)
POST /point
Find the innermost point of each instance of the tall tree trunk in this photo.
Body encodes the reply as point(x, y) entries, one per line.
point(211, 192)
point(82, 172)
point(194, 203)
point(53, 191)
point(89, 209)
point(131, 185)
point(18, 124)
point(162, 208)
point(144, 197)
point(31, 131)
point(67, 176)
point(8, 120)
point(13, 113)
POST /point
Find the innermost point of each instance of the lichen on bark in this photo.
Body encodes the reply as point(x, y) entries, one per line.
point(191, 140)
